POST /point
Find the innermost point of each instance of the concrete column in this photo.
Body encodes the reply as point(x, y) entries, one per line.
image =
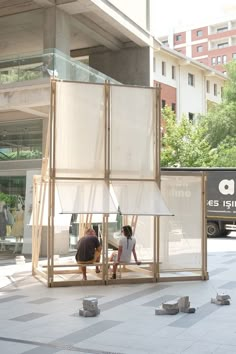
point(56, 36)
point(129, 66)
point(56, 31)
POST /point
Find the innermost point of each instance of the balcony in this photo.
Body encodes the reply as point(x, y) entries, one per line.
point(43, 66)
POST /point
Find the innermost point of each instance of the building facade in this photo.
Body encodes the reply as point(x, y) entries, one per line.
point(212, 44)
point(187, 86)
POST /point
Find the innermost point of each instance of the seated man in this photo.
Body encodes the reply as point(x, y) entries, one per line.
point(88, 250)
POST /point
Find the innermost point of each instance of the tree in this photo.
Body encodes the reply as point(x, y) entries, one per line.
point(184, 143)
point(220, 121)
point(226, 153)
point(230, 86)
point(208, 142)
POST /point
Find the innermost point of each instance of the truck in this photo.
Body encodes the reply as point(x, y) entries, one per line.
point(220, 190)
point(221, 201)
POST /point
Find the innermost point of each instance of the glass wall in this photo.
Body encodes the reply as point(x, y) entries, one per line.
point(21, 140)
point(50, 63)
point(12, 203)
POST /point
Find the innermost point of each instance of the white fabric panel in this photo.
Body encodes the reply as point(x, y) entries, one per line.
point(132, 132)
point(139, 198)
point(59, 219)
point(145, 238)
point(85, 197)
point(181, 234)
point(79, 129)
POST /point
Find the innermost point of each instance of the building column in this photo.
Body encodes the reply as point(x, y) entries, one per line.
point(57, 37)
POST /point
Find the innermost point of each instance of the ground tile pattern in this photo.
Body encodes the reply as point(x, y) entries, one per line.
point(36, 319)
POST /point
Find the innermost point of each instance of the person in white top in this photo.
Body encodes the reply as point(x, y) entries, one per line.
point(125, 249)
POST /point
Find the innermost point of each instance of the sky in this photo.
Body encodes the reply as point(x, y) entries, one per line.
point(169, 14)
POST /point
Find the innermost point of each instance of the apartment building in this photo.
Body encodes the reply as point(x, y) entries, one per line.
point(187, 86)
point(212, 44)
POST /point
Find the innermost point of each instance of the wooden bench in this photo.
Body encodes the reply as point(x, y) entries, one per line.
point(73, 267)
point(123, 267)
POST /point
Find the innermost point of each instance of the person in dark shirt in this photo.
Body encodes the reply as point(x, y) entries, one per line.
point(88, 250)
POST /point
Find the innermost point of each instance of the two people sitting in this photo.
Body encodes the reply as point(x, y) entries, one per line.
point(89, 250)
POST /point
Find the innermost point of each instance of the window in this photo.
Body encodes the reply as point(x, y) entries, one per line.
point(213, 61)
point(208, 86)
point(154, 65)
point(173, 72)
point(21, 140)
point(222, 29)
point(173, 107)
point(199, 33)
point(222, 45)
point(163, 103)
point(165, 42)
point(224, 59)
point(234, 56)
point(190, 116)
point(163, 68)
point(190, 79)
point(178, 37)
point(199, 48)
point(215, 89)
point(222, 91)
point(219, 60)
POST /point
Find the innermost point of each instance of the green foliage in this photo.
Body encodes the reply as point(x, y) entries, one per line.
point(209, 142)
point(10, 200)
point(22, 155)
point(19, 74)
point(226, 153)
point(230, 86)
point(220, 122)
point(184, 143)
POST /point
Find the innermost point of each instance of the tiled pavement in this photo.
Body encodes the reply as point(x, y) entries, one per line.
point(38, 320)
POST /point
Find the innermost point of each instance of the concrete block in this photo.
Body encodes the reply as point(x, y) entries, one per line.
point(170, 305)
point(90, 303)
point(218, 302)
point(222, 296)
point(188, 310)
point(183, 302)
point(161, 311)
point(86, 313)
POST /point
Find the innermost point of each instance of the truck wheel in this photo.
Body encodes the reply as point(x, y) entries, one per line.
point(212, 229)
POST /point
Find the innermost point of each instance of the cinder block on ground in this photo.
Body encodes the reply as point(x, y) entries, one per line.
point(173, 307)
point(86, 313)
point(220, 302)
point(90, 303)
point(170, 305)
point(183, 303)
point(222, 297)
point(188, 310)
point(161, 311)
